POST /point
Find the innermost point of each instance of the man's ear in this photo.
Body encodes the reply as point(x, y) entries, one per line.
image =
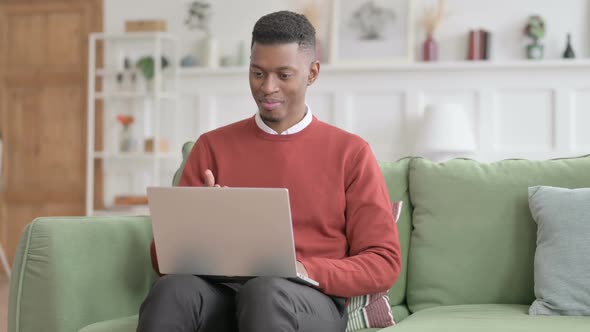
point(314, 71)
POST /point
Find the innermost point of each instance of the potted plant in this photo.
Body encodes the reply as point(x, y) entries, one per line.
point(535, 29)
point(147, 66)
point(199, 19)
point(199, 15)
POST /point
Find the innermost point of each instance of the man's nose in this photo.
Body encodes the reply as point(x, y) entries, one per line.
point(269, 84)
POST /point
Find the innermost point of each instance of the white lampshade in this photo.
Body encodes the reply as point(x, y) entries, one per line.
point(446, 129)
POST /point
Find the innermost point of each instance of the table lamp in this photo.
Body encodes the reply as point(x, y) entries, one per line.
point(446, 132)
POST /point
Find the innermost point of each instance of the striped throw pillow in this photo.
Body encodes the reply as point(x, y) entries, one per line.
point(372, 310)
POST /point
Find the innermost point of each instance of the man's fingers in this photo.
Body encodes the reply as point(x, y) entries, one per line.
point(209, 179)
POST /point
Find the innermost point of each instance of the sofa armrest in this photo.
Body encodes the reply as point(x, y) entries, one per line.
point(73, 271)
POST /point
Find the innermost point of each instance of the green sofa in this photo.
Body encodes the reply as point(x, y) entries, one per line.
point(467, 237)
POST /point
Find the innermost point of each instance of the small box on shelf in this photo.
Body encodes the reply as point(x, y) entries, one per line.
point(125, 205)
point(145, 26)
point(163, 145)
point(127, 200)
point(135, 210)
point(148, 145)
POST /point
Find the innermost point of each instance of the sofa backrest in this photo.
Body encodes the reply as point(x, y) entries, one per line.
point(474, 238)
point(466, 232)
point(73, 271)
point(396, 177)
point(186, 149)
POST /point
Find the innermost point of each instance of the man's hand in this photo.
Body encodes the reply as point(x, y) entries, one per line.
point(209, 179)
point(301, 269)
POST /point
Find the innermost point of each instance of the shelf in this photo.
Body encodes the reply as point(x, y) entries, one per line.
point(463, 65)
point(191, 71)
point(134, 36)
point(414, 66)
point(101, 72)
point(131, 210)
point(135, 155)
point(134, 95)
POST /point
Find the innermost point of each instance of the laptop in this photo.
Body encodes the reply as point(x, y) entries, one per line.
point(224, 233)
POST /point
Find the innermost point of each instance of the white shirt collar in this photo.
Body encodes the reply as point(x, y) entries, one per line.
point(299, 126)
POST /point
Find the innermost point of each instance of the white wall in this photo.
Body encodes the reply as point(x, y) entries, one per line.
point(534, 110)
point(520, 109)
point(233, 20)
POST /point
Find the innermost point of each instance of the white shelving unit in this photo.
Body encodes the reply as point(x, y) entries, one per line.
point(154, 107)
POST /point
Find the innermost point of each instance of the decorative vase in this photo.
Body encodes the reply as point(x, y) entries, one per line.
point(535, 51)
point(569, 50)
point(145, 85)
point(150, 86)
point(211, 52)
point(243, 56)
point(189, 61)
point(319, 50)
point(125, 140)
point(429, 49)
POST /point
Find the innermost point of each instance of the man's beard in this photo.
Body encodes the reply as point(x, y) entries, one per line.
point(269, 118)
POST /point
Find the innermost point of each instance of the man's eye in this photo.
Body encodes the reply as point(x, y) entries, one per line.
point(257, 74)
point(285, 76)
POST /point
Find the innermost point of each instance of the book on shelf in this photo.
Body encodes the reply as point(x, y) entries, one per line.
point(479, 45)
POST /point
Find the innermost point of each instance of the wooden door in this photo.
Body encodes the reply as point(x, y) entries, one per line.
point(43, 91)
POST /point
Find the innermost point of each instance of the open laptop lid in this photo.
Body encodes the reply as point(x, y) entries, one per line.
point(223, 231)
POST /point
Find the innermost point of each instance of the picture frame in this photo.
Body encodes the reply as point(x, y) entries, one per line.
point(371, 32)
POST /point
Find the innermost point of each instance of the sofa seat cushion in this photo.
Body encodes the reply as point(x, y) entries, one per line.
point(125, 324)
point(129, 324)
point(487, 318)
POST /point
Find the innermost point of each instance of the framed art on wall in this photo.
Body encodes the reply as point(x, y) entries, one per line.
point(371, 31)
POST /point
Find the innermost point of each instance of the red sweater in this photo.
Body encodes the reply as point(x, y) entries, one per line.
point(344, 230)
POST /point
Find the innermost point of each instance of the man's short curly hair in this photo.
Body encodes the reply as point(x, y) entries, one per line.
point(284, 27)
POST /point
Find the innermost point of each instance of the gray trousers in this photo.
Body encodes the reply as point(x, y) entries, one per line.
point(185, 303)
